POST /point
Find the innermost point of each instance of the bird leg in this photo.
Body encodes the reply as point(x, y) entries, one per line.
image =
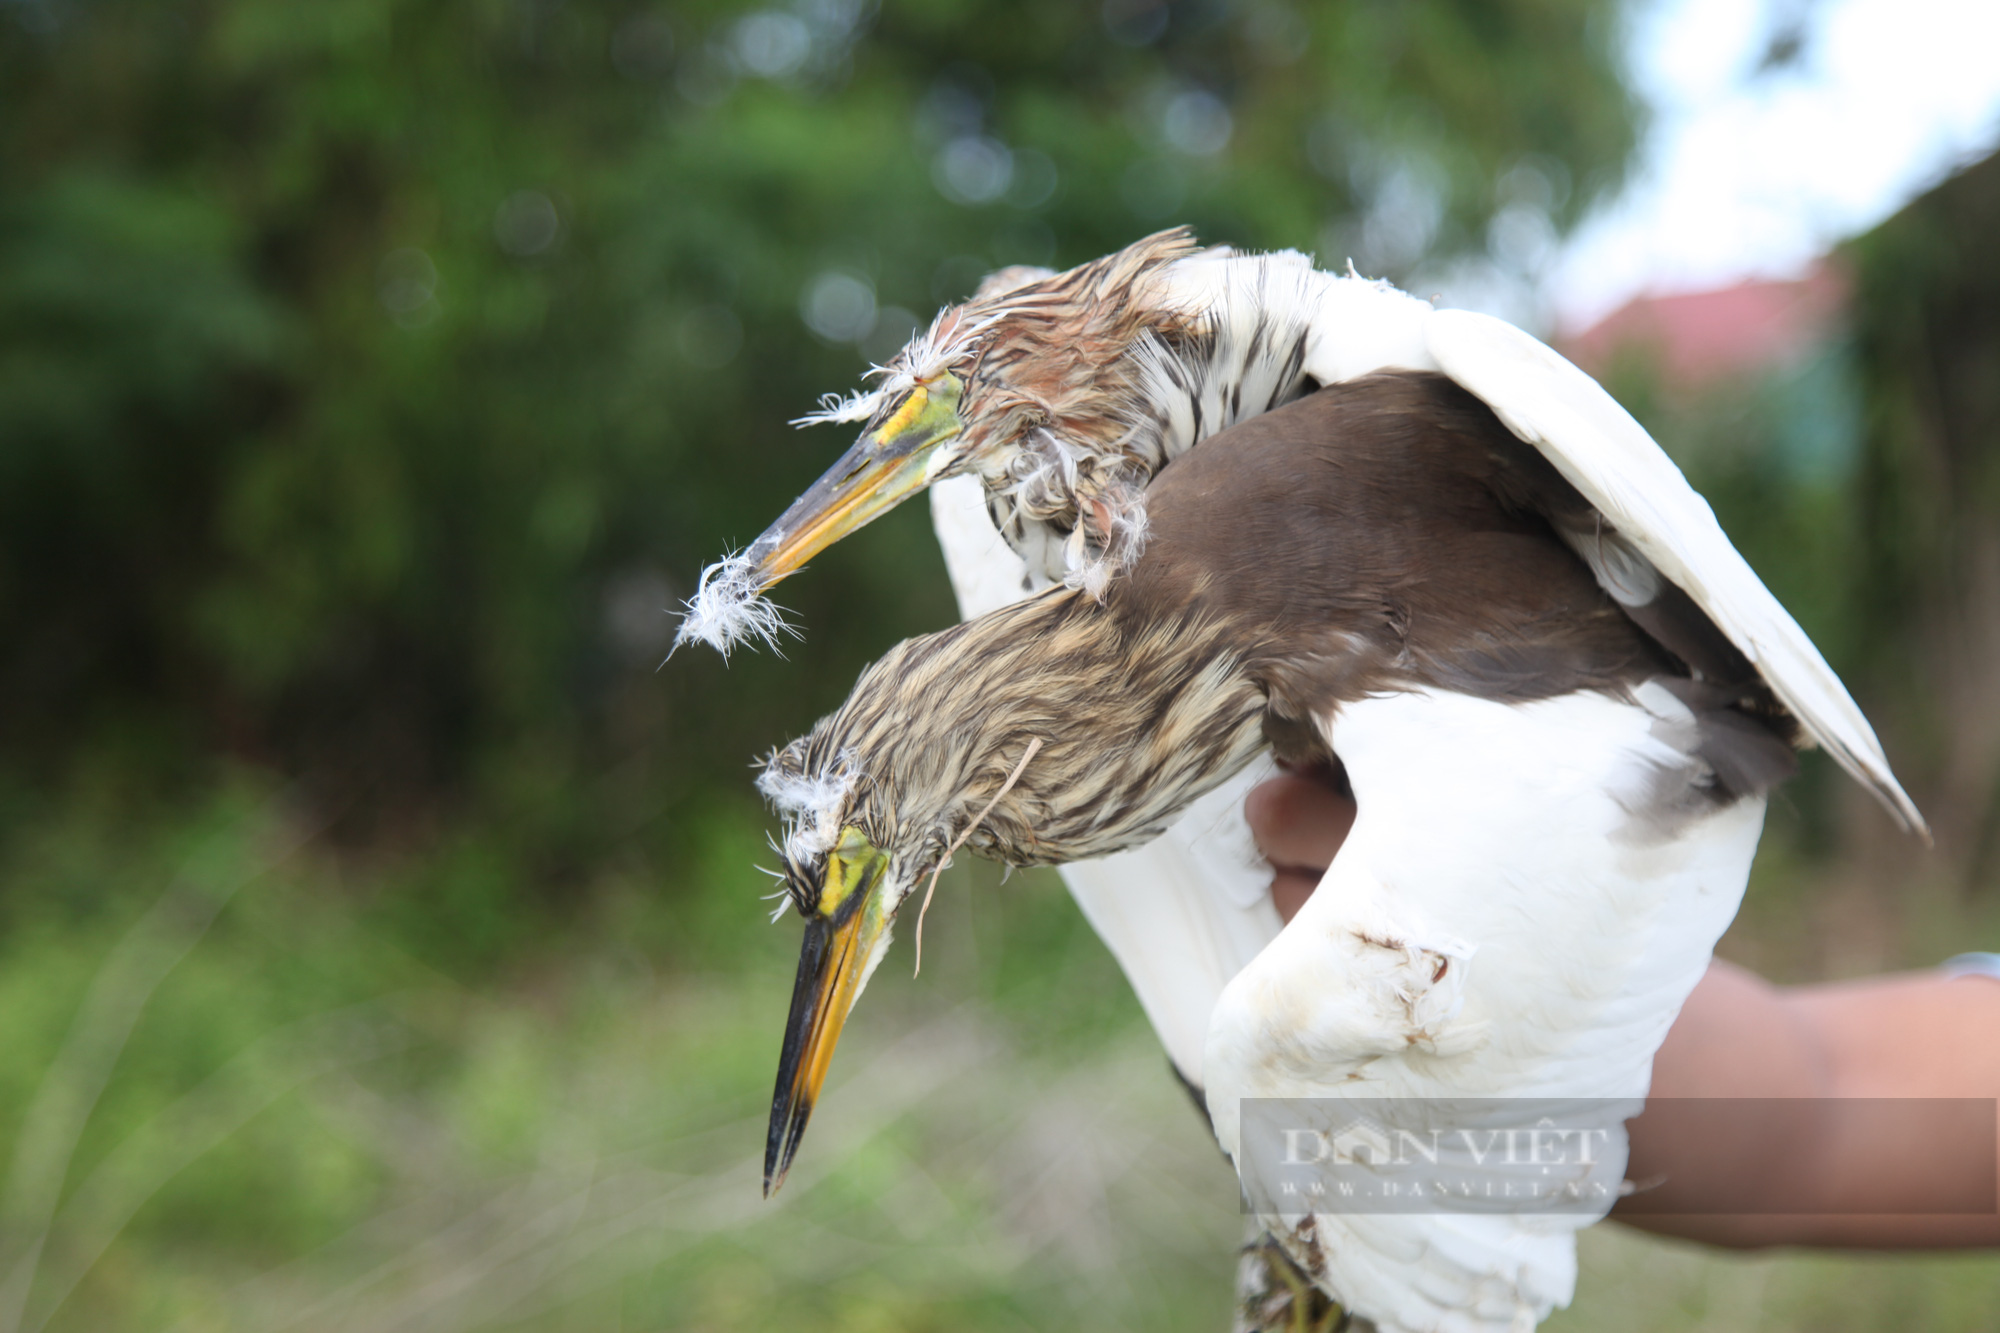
point(1273, 1295)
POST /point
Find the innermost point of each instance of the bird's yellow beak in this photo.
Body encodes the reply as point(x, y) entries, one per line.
point(886, 466)
point(845, 937)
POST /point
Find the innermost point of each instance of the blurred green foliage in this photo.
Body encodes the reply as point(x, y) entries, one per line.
point(374, 375)
point(234, 1104)
point(1927, 316)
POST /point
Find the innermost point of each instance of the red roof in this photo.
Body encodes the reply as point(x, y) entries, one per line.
point(1698, 338)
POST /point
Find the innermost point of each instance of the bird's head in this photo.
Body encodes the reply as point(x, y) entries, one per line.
point(1041, 733)
point(845, 877)
point(1045, 386)
point(873, 803)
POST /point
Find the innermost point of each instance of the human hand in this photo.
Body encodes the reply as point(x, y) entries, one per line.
point(1299, 819)
point(1915, 1036)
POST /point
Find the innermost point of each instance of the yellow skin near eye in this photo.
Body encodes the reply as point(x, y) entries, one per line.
point(850, 865)
point(911, 409)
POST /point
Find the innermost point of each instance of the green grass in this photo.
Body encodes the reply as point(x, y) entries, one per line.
point(239, 1090)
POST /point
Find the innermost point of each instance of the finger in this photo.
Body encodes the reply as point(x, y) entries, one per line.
point(1289, 891)
point(1298, 822)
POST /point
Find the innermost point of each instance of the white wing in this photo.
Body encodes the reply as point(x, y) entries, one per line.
point(1615, 464)
point(1489, 930)
point(1186, 912)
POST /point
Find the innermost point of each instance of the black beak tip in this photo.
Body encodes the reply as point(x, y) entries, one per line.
point(776, 1165)
point(788, 1126)
point(792, 1103)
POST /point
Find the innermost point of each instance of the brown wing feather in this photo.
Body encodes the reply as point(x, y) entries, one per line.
point(1392, 533)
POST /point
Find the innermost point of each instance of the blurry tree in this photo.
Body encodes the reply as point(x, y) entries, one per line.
point(1927, 580)
point(375, 374)
point(1861, 480)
